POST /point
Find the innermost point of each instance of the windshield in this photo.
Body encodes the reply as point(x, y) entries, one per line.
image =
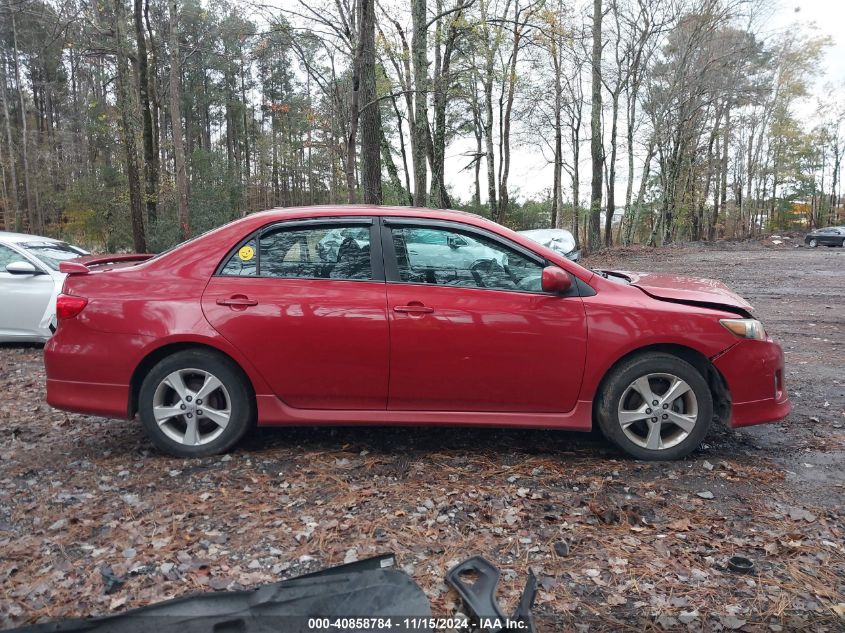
point(52, 253)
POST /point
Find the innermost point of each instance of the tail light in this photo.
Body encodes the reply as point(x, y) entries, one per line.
point(68, 306)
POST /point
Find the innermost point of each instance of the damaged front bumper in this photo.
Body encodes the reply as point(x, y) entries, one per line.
point(754, 373)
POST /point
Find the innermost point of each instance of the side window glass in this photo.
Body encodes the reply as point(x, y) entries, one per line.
point(7, 256)
point(330, 252)
point(243, 262)
point(448, 258)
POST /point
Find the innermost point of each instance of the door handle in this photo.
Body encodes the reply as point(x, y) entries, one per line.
point(237, 302)
point(414, 309)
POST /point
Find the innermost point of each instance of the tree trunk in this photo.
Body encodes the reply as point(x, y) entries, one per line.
point(487, 81)
point(442, 81)
point(724, 168)
point(638, 204)
point(557, 174)
point(13, 223)
point(371, 131)
point(402, 151)
point(150, 157)
point(352, 132)
point(34, 217)
point(419, 52)
point(176, 123)
point(505, 166)
point(596, 150)
point(126, 107)
point(611, 174)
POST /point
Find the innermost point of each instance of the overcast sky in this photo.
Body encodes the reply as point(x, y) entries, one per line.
point(530, 172)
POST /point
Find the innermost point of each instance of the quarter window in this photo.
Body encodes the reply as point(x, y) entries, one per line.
point(449, 258)
point(329, 252)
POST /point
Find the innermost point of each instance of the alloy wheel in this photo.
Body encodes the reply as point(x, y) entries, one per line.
point(192, 406)
point(658, 411)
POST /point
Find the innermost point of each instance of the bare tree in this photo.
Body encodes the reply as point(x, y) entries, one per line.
point(35, 221)
point(176, 123)
point(371, 131)
point(596, 146)
point(151, 166)
point(126, 106)
point(419, 55)
point(13, 222)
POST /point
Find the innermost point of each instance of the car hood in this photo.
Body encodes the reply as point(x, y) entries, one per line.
point(694, 290)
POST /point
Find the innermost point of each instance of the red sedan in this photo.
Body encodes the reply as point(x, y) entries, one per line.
point(376, 315)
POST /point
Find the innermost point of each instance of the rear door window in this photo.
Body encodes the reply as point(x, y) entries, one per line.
point(320, 252)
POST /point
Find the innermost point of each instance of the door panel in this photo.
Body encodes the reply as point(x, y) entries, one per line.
point(470, 329)
point(320, 344)
point(483, 350)
point(25, 298)
point(307, 304)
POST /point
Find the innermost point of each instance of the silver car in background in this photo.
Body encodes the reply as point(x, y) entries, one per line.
point(559, 240)
point(30, 281)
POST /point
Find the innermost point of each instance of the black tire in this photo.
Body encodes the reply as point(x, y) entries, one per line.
point(235, 392)
point(812, 242)
point(616, 386)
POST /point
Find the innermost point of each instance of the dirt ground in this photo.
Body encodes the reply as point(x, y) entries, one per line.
point(92, 520)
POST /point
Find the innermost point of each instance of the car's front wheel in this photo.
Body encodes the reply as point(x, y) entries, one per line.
point(195, 403)
point(813, 242)
point(655, 406)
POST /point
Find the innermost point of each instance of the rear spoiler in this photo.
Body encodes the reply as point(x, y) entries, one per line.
point(82, 266)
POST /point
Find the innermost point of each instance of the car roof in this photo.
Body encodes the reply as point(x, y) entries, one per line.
point(364, 209)
point(340, 210)
point(19, 238)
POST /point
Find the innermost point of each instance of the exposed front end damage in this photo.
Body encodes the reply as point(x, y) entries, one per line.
point(754, 374)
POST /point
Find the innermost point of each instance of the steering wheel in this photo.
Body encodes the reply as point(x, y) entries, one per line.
point(485, 266)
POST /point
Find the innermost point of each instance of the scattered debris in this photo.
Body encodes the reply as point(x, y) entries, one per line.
point(741, 564)
point(562, 548)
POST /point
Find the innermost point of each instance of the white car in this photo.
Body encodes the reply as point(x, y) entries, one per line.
point(559, 240)
point(29, 283)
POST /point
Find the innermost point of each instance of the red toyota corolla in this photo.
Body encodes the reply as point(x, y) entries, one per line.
point(376, 315)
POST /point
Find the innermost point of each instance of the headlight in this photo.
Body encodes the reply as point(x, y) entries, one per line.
point(745, 328)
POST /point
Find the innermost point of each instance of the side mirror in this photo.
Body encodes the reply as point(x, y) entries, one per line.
point(555, 280)
point(456, 242)
point(22, 268)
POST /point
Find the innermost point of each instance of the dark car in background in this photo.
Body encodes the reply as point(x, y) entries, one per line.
point(828, 236)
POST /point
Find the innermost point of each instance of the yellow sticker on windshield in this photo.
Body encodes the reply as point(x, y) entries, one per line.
point(246, 253)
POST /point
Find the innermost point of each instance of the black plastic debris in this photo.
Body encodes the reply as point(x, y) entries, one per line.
point(562, 548)
point(475, 580)
point(111, 582)
point(740, 564)
point(360, 596)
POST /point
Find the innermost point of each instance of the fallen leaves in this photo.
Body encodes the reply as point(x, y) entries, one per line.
point(92, 520)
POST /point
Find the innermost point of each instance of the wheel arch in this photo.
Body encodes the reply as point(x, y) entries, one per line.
point(153, 357)
point(715, 380)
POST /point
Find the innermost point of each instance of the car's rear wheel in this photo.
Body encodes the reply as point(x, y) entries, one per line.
point(195, 403)
point(813, 242)
point(655, 406)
